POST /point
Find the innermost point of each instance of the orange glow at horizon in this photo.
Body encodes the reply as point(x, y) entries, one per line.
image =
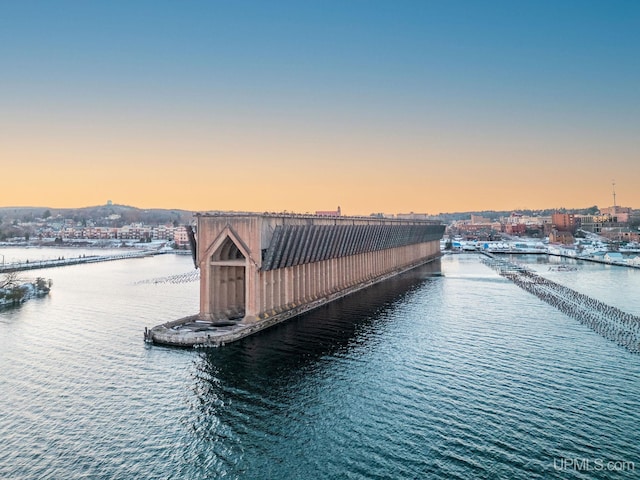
point(304, 164)
point(300, 181)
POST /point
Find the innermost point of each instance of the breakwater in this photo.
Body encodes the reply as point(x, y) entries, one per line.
point(592, 259)
point(612, 323)
point(63, 262)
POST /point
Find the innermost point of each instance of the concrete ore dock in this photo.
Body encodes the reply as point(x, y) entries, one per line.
point(257, 270)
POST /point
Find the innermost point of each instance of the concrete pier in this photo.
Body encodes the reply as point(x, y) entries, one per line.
point(260, 269)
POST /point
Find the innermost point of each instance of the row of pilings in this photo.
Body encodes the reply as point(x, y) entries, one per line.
point(192, 276)
point(612, 323)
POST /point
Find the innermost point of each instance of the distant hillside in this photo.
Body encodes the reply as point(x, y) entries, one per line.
point(157, 216)
point(494, 215)
point(125, 214)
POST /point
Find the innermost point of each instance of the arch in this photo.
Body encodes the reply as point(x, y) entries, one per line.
point(228, 250)
point(227, 279)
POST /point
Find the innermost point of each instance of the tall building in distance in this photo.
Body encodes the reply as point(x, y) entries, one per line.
point(564, 222)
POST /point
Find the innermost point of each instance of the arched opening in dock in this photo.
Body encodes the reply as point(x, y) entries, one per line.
point(227, 278)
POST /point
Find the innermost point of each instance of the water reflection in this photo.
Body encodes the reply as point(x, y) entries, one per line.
point(240, 390)
point(295, 345)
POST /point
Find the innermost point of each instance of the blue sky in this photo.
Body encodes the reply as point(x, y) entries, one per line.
point(376, 106)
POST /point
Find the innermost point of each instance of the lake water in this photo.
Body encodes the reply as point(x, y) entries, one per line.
point(457, 376)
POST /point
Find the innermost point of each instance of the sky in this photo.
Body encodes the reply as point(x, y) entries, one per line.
point(397, 106)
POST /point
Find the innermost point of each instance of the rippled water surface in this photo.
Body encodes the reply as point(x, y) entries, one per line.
point(455, 376)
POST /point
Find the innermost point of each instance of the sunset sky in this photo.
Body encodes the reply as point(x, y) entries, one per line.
point(397, 106)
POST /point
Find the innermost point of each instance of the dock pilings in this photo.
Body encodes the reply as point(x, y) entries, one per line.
point(612, 323)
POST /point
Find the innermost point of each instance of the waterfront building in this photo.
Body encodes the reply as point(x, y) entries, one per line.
point(613, 257)
point(634, 261)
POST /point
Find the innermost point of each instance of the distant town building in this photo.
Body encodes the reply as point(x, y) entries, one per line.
point(519, 224)
point(476, 219)
point(603, 222)
point(414, 216)
point(564, 222)
point(620, 234)
point(629, 236)
point(134, 231)
point(515, 229)
point(526, 219)
point(615, 210)
point(328, 213)
point(180, 237)
point(563, 237)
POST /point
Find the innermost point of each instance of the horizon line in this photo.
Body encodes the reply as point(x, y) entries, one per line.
point(291, 212)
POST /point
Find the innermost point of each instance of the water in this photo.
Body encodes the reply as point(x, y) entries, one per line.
point(461, 376)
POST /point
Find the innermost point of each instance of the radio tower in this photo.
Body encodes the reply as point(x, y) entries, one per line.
point(613, 184)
